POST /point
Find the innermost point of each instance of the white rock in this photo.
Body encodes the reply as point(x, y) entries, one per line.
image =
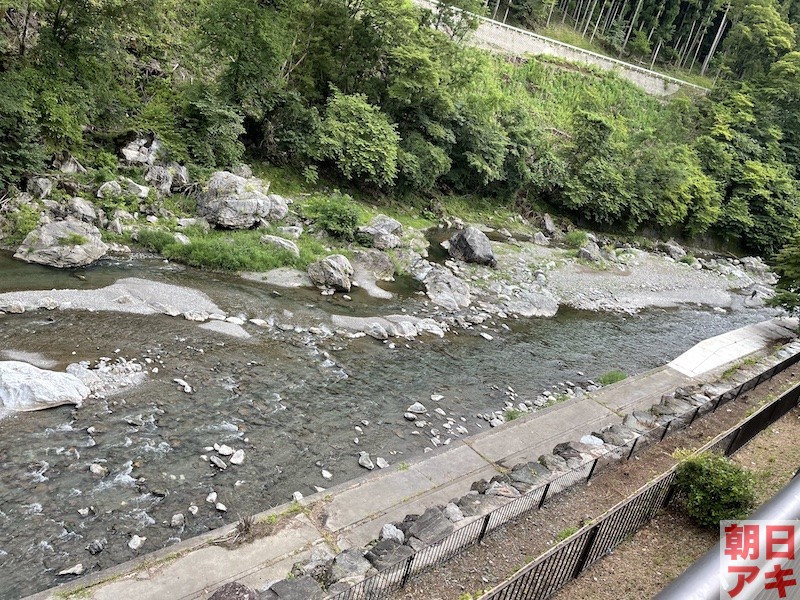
point(177, 521)
point(437, 397)
point(221, 507)
point(212, 497)
point(218, 462)
point(24, 387)
point(417, 408)
point(381, 462)
point(486, 336)
point(327, 474)
point(98, 469)
point(186, 387)
point(297, 497)
point(237, 458)
point(136, 542)
point(224, 450)
point(74, 570)
point(390, 532)
point(193, 509)
point(365, 461)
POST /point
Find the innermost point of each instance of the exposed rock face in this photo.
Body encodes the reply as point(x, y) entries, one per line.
point(591, 252)
point(63, 244)
point(388, 552)
point(673, 249)
point(472, 245)
point(238, 203)
point(142, 151)
point(110, 189)
point(40, 187)
point(350, 563)
point(299, 588)
point(83, 210)
point(384, 231)
point(24, 387)
point(282, 243)
point(333, 271)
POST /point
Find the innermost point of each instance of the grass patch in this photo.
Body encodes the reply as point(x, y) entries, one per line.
point(21, 222)
point(230, 250)
point(576, 238)
point(511, 414)
point(612, 376)
point(565, 533)
point(745, 362)
point(73, 239)
point(403, 466)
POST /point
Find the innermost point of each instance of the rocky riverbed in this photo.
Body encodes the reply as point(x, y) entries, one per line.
point(207, 396)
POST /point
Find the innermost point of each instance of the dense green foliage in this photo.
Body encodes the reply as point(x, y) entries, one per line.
point(383, 96)
point(715, 489)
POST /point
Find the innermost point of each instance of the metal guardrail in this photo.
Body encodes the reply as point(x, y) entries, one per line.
point(595, 55)
point(560, 564)
point(566, 561)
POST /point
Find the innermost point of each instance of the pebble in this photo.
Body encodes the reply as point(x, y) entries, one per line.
point(359, 430)
point(75, 570)
point(486, 336)
point(97, 546)
point(177, 521)
point(327, 474)
point(212, 497)
point(186, 387)
point(221, 507)
point(440, 411)
point(136, 542)
point(409, 416)
point(193, 510)
point(417, 408)
point(437, 397)
point(237, 458)
point(297, 497)
point(381, 462)
point(223, 449)
point(365, 461)
point(98, 469)
point(218, 462)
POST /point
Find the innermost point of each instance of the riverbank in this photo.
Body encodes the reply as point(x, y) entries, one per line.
point(351, 515)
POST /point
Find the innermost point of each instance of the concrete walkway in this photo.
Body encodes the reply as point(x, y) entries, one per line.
point(353, 513)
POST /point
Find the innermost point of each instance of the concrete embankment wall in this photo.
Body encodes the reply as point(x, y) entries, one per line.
point(506, 39)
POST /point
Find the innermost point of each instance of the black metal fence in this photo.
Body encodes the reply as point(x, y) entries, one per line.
point(567, 560)
point(550, 572)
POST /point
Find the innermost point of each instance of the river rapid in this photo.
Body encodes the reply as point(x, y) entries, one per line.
point(295, 402)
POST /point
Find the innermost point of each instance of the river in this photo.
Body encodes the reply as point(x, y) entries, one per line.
point(289, 399)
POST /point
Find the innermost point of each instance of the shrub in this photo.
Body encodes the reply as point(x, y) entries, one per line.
point(576, 238)
point(21, 222)
point(612, 377)
point(359, 139)
point(511, 414)
point(338, 215)
point(715, 488)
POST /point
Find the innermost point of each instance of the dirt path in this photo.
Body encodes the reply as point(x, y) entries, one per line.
point(483, 566)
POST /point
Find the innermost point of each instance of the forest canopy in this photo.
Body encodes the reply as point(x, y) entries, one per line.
point(387, 97)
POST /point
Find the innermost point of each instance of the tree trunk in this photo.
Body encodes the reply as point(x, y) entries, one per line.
point(494, 12)
point(589, 18)
point(682, 54)
point(505, 16)
point(655, 54)
point(599, 18)
point(550, 14)
point(633, 24)
point(717, 38)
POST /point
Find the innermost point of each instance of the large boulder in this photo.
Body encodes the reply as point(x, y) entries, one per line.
point(445, 289)
point(24, 387)
point(333, 271)
point(235, 591)
point(238, 203)
point(472, 245)
point(281, 244)
point(384, 231)
point(63, 244)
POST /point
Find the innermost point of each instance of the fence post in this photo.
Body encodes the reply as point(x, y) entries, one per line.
point(407, 571)
point(716, 404)
point(733, 441)
point(484, 527)
point(673, 489)
point(666, 429)
point(587, 548)
point(544, 495)
point(591, 471)
point(633, 447)
point(694, 416)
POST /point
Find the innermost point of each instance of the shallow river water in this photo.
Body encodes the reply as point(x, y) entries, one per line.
point(289, 399)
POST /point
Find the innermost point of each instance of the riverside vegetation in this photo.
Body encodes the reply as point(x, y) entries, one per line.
point(381, 98)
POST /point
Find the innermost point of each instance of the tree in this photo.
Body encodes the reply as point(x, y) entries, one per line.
point(359, 140)
point(759, 36)
point(787, 265)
